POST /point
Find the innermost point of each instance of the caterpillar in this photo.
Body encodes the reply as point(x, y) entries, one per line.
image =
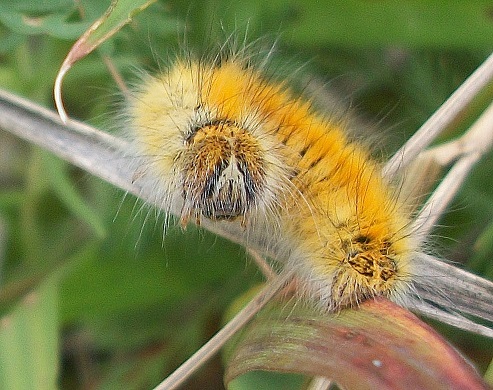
point(226, 143)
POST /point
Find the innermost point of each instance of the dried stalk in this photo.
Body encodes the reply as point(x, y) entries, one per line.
point(441, 118)
point(196, 361)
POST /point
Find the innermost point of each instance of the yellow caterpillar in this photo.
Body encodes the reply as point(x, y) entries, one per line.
point(227, 144)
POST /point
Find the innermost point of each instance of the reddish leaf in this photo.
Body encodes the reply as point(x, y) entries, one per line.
point(378, 346)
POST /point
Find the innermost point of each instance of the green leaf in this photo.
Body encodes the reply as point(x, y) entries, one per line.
point(26, 280)
point(378, 346)
point(29, 350)
point(117, 282)
point(56, 170)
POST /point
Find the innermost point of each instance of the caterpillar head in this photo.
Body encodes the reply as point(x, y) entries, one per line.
point(223, 172)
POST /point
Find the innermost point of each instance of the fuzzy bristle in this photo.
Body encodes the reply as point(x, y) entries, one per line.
point(231, 145)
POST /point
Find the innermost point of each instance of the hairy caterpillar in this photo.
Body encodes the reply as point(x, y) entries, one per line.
point(225, 143)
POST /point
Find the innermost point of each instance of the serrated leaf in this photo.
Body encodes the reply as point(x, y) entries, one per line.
point(378, 346)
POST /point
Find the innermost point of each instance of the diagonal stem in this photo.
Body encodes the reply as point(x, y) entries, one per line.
point(187, 369)
point(441, 118)
point(470, 147)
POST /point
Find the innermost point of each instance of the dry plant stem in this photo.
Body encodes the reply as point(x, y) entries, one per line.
point(187, 369)
point(450, 305)
point(116, 75)
point(454, 289)
point(262, 264)
point(478, 139)
point(452, 318)
point(88, 148)
point(442, 196)
point(92, 150)
point(464, 293)
point(441, 118)
point(472, 146)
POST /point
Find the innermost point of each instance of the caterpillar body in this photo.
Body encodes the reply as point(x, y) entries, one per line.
point(228, 144)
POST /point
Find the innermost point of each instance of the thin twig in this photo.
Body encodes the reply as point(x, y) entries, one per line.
point(262, 264)
point(472, 146)
point(441, 118)
point(187, 369)
point(116, 75)
point(442, 196)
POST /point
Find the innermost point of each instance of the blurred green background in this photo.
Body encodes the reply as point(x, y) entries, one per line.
point(91, 294)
